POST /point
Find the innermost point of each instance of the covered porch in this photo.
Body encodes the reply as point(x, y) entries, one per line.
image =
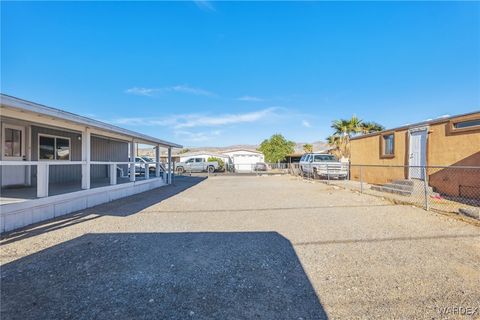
point(51, 154)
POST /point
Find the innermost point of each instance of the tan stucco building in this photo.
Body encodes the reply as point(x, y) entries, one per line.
point(449, 142)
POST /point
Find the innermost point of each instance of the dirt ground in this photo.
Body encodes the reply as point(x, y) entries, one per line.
point(231, 247)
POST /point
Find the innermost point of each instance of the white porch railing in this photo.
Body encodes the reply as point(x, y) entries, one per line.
point(43, 169)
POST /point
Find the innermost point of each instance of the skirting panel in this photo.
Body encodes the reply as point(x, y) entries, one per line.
point(21, 214)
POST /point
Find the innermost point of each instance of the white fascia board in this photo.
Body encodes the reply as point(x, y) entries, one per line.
point(23, 105)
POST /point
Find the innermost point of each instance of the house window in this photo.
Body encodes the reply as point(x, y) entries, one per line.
point(467, 124)
point(13, 142)
point(388, 145)
point(53, 148)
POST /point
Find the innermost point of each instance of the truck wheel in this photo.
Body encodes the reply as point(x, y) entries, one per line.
point(180, 170)
point(211, 169)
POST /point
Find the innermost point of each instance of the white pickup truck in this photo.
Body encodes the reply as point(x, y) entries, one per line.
point(321, 165)
point(196, 165)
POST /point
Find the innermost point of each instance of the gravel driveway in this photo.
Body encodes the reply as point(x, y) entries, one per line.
point(241, 248)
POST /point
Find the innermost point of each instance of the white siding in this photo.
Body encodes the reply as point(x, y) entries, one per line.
point(244, 160)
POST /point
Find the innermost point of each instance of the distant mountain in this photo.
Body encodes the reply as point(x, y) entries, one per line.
point(317, 147)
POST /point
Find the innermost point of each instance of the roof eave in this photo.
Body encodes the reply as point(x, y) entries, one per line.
point(20, 104)
point(413, 125)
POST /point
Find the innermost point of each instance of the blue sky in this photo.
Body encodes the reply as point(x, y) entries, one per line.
point(221, 73)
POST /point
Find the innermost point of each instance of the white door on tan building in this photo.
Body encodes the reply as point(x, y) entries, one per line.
point(13, 149)
point(417, 152)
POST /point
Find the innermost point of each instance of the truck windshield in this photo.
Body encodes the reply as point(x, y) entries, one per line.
point(324, 157)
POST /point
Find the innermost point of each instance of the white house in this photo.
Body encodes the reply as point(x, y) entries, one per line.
point(55, 162)
point(243, 159)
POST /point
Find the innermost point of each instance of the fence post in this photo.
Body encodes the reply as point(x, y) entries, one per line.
point(328, 175)
point(425, 187)
point(347, 177)
point(173, 174)
point(361, 180)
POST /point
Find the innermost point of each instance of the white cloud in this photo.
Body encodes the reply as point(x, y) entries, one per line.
point(140, 91)
point(306, 124)
point(198, 120)
point(197, 136)
point(190, 90)
point(204, 5)
point(208, 121)
point(145, 121)
point(250, 98)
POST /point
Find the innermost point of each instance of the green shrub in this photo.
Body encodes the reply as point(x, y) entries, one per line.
point(221, 163)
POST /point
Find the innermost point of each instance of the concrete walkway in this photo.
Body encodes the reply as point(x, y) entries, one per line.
point(242, 248)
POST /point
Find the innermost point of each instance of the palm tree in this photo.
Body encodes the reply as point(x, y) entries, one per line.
point(307, 148)
point(369, 127)
point(333, 140)
point(347, 127)
point(344, 129)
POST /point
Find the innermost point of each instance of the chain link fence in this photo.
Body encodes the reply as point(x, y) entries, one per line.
point(258, 168)
point(442, 188)
point(237, 169)
point(449, 189)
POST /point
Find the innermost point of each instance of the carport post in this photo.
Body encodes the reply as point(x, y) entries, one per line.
point(133, 155)
point(169, 180)
point(147, 171)
point(42, 180)
point(157, 161)
point(113, 173)
point(86, 150)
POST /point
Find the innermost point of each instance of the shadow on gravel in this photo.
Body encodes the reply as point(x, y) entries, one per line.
point(121, 207)
point(241, 275)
